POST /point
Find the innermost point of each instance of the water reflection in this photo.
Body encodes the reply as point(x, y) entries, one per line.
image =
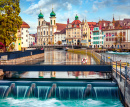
point(62, 57)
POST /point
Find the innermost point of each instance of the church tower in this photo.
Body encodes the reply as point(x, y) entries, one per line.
point(52, 18)
point(40, 19)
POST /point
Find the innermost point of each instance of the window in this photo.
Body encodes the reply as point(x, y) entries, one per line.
point(47, 32)
point(22, 33)
point(26, 40)
point(51, 22)
point(22, 37)
point(106, 39)
point(113, 39)
point(54, 22)
point(41, 33)
point(26, 35)
point(42, 22)
point(44, 32)
point(26, 30)
point(39, 23)
point(22, 42)
point(124, 33)
point(109, 39)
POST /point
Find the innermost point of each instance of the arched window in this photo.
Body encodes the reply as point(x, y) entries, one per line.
point(39, 23)
point(54, 22)
point(51, 22)
point(44, 32)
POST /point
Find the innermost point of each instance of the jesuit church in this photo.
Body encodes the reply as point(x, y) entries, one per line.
point(46, 30)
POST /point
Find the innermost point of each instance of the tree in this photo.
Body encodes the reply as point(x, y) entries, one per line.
point(10, 21)
point(119, 38)
point(59, 42)
point(49, 43)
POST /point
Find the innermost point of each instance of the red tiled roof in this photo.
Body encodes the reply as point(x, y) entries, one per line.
point(25, 25)
point(76, 22)
point(92, 23)
point(63, 31)
point(60, 26)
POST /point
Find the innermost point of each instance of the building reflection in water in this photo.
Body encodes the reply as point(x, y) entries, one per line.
point(62, 57)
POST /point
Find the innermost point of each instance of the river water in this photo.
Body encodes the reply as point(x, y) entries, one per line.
point(64, 58)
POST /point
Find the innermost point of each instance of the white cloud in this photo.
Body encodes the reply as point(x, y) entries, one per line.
point(95, 9)
point(68, 5)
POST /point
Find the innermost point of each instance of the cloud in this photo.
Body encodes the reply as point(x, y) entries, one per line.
point(68, 5)
point(57, 4)
point(95, 9)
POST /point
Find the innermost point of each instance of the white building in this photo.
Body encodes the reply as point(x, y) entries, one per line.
point(60, 36)
point(24, 35)
point(97, 38)
point(31, 39)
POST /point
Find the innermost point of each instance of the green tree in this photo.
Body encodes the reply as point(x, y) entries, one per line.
point(10, 21)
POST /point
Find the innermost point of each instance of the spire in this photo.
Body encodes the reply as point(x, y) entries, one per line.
point(113, 18)
point(40, 15)
point(52, 14)
point(76, 17)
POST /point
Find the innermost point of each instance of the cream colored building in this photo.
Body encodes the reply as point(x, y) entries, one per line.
point(112, 34)
point(73, 32)
point(46, 30)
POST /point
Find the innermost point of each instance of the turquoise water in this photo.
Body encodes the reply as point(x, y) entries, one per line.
point(34, 102)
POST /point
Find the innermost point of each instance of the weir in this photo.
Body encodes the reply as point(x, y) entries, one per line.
point(60, 90)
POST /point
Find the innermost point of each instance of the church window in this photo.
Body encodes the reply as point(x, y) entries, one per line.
point(51, 22)
point(54, 22)
point(39, 23)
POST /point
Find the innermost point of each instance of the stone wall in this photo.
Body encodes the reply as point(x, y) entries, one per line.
point(22, 60)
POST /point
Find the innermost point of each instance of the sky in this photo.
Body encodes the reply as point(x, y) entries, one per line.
point(91, 10)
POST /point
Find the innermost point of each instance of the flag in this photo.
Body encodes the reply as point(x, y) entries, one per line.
point(104, 35)
point(112, 34)
point(109, 34)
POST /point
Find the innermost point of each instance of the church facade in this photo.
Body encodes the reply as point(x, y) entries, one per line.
point(46, 30)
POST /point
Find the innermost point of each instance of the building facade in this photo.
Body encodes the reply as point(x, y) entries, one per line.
point(46, 30)
point(60, 36)
point(22, 37)
point(31, 39)
point(117, 38)
point(97, 38)
point(73, 32)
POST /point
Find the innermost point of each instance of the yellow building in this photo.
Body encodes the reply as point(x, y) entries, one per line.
point(18, 41)
point(85, 34)
point(73, 32)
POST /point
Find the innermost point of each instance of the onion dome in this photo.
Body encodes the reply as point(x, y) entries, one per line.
point(40, 15)
point(52, 14)
point(76, 17)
